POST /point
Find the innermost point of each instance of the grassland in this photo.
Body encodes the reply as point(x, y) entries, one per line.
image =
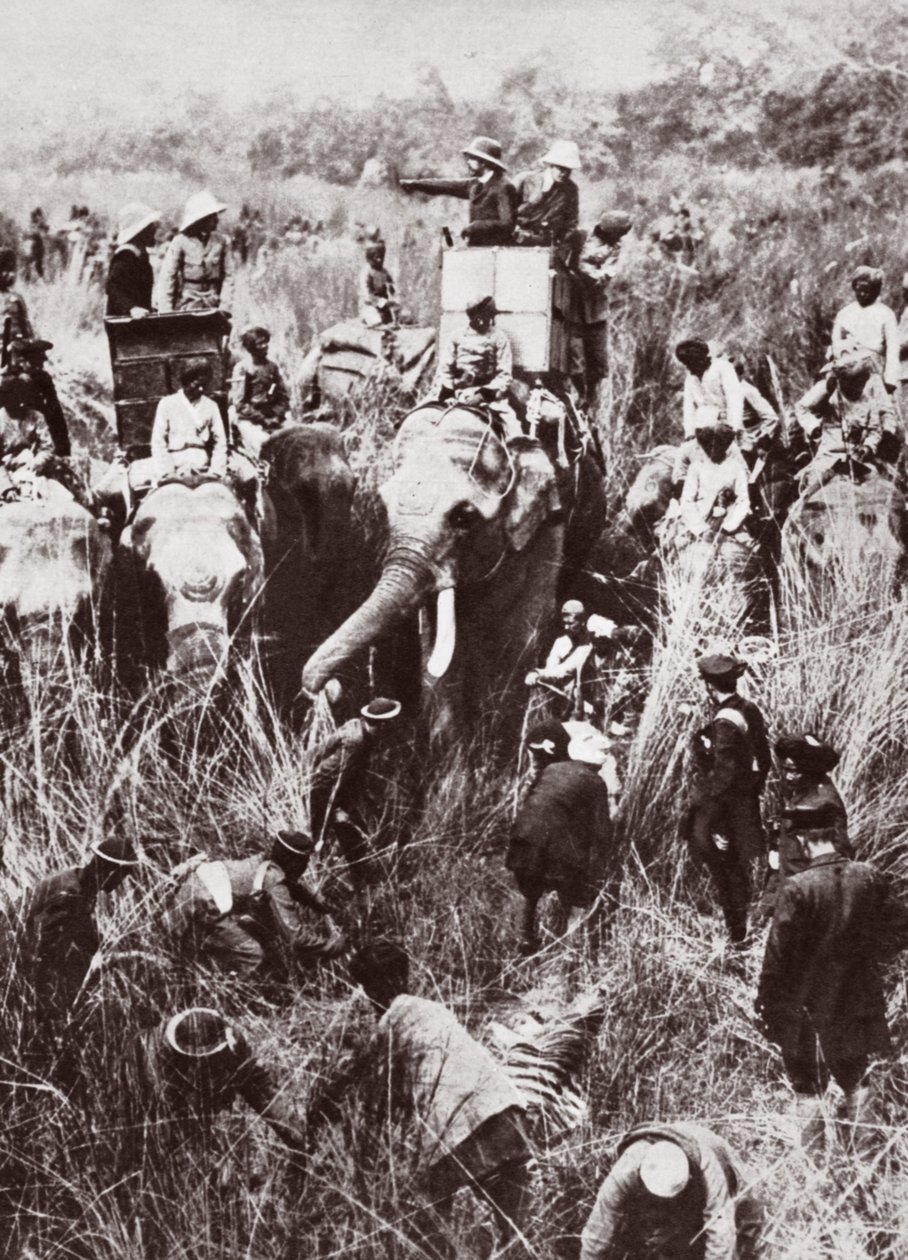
point(678, 1039)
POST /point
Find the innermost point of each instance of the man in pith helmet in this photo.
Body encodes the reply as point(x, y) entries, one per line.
point(194, 271)
point(130, 280)
point(492, 197)
point(549, 202)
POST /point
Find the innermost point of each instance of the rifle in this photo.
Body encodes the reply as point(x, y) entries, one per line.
point(5, 345)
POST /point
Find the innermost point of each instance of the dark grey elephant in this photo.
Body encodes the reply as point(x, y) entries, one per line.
point(307, 545)
point(477, 534)
point(189, 582)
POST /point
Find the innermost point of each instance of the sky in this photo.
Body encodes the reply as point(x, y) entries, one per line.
point(130, 55)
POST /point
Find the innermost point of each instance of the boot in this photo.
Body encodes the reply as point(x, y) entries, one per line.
point(859, 1122)
point(811, 1119)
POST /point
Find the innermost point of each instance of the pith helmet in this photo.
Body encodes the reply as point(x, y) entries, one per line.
point(486, 150)
point(199, 1033)
point(199, 206)
point(563, 153)
point(665, 1170)
point(134, 218)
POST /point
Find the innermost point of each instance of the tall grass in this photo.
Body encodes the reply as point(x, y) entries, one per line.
point(82, 1177)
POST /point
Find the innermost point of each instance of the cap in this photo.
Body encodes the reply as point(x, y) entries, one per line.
point(298, 842)
point(380, 710)
point(601, 627)
point(812, 816)
point(873, 274)
point(614, 223)
point(563, 153)
point(665, 1170)
point(720, 669)
point(486, 150)
point(549, 737)
point(199, 206)
point(484, 305)
point(808, 752)
point(573, 606)
point(117, 851)
point(199, 1033)
point(375, 248)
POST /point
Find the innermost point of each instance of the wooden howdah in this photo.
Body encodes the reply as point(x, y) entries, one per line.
point(531, 292)
point(147, 356)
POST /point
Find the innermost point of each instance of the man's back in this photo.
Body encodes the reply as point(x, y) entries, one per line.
point(454, 1083)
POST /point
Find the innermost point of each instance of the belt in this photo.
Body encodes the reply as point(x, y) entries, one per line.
point(187, 446)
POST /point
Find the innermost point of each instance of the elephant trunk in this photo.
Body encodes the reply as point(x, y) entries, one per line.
point(197, 654)
point(406, 581)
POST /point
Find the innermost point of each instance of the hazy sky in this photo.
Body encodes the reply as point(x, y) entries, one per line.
point(123, 52)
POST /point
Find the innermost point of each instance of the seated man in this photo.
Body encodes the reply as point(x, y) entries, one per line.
point(29, 357)
point(716, 495)
point(712, 396)
point(25, 446)
point(377, 302)
point(848, 414)
point(549, 203)
point(869, 324)
point(188, 438)
point(258, 394)
point(476, 366)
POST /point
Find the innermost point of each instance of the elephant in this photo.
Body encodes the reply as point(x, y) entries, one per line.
point(306, 541)
point(54, 564)
point(189, 579)
point(846, 537)
point(480, 527)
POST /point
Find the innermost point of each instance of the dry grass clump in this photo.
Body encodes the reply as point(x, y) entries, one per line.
point(80, 1179)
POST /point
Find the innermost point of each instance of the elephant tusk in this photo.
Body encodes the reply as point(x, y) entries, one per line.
point(445, 634)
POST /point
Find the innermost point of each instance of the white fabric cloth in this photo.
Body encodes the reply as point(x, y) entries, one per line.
point(188, 436)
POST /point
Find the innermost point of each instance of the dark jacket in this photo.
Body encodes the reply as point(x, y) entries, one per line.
point(833, 924)
point(548, 215)
point(61, 935)
point(129, 282)
point(561, 833)
point(493, 205)
point(813, 793)
point(733, 752)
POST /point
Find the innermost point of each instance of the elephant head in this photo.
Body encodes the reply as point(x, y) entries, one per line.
point(54, 560)
point(847, 533)
point(198, 569)
point(310, 489)
point(468, 517)
point(649, 494)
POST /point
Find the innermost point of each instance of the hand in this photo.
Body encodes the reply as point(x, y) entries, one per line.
point(465, 234)
point(405, 185)
point(532, 678)
point(138, 312)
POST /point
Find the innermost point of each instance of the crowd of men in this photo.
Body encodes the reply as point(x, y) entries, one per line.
point(675, 1189)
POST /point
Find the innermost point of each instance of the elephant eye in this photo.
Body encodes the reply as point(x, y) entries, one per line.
point(464, 516)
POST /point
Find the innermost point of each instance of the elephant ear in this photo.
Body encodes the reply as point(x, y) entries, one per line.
point(534, 499)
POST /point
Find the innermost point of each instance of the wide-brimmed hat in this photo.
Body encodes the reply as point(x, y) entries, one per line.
point(133, 219)
point(299, 843)
point(117, 850)
point(199, 206)
point(720, 668)
point(199, 1033)
point(486, 150)
point(380, 710)
point(25, 346)
point(665, 1170)
point(563, 153)
point(807, 752)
